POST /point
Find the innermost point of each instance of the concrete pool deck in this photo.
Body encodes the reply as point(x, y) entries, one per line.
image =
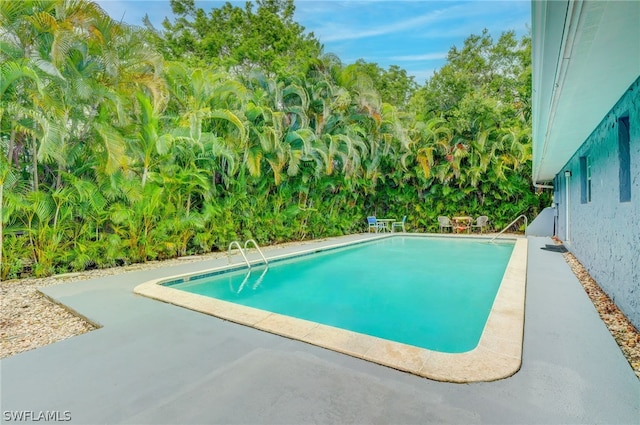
point(153, 362)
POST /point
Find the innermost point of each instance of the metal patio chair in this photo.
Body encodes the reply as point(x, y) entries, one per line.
point(399, 224)
point(444, 223)
point(373, 224)
point(481, 223)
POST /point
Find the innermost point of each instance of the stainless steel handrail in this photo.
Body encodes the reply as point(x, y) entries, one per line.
point(257, 247)
point(511, 224)
point(241, 252)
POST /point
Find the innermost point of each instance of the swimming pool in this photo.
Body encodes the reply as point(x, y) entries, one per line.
point(495, 356)
point(433, 293)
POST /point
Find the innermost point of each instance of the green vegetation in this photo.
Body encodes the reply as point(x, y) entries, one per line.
point(123, 144)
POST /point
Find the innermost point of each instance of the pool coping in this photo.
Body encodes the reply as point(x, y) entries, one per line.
point(498, 354)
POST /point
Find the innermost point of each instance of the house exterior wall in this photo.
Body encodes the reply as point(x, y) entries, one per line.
point(604, 234)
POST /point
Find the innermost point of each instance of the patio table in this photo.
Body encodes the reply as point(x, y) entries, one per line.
point(462, 223)
point(385, 223)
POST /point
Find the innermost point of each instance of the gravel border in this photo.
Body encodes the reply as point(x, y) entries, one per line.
point(625, 334)
point(30, 320)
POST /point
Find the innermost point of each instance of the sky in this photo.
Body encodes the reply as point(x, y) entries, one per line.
point(415, 35)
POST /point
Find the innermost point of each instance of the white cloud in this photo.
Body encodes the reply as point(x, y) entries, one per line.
point(341, 32)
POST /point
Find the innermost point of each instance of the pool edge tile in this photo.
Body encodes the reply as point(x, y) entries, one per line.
point(398, 356)
point(290, 327)
point(347, 342)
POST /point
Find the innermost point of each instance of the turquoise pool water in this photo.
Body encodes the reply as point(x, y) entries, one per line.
point(434, 293)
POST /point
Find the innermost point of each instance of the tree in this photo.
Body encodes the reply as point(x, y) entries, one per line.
point(6, 177)
point(482, 66)
point(111, 154)
point(147, 142)
point(394, 85)
point(208, 107)
point(241, 40)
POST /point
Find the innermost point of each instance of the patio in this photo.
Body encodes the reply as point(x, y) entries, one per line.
point(157, 363)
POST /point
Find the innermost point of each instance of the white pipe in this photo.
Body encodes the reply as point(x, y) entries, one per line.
point(567, 177)
point(542, 186)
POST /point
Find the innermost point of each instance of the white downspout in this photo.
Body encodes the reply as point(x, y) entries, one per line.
point(567, 177)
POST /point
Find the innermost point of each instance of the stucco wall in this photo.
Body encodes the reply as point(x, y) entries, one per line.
point(604, 234)
point(543, 224)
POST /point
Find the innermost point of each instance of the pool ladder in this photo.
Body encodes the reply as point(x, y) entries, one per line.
point(256, 284)
point(237, 244)
point(511, 224)
point(246, 260)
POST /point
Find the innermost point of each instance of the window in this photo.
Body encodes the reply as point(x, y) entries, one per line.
point(585, 180)
point(625, 159)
